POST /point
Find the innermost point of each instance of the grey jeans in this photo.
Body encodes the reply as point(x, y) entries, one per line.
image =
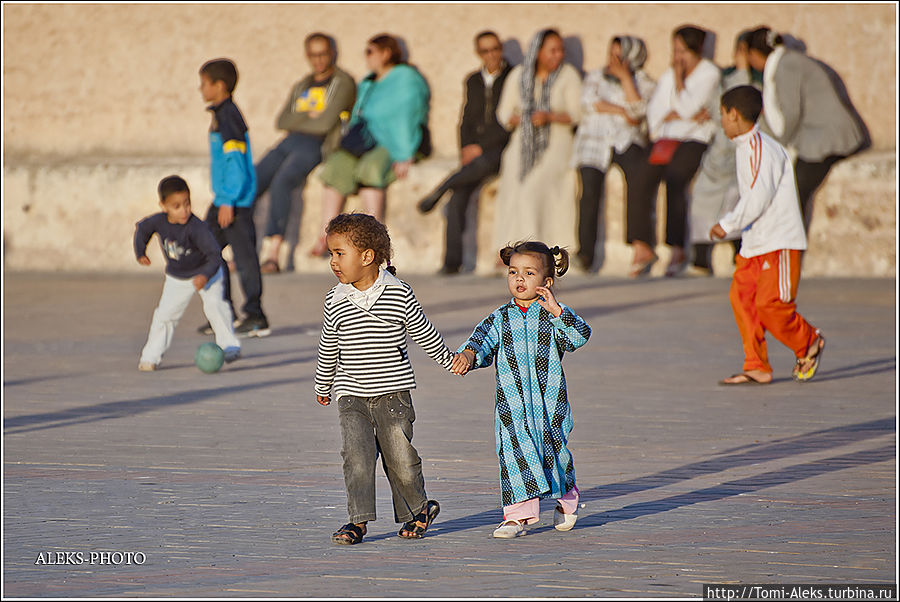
point(373, 425)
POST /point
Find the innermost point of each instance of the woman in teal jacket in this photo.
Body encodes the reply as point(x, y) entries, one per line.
point(386, 134)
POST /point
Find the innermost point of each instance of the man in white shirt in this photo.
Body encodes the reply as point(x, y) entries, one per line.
point(767, 272)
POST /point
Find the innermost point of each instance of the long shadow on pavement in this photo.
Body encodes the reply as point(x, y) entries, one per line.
point(130, 407)
point(773, 478)
point(816, 441)
point(886, 364)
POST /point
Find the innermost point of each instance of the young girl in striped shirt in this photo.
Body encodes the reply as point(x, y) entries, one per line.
point(526, 339)
point(363, 362)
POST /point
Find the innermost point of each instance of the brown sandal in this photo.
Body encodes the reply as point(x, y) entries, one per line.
point(269, 266)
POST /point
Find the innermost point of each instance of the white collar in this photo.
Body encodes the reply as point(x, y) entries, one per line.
point(371, 294)
point(745, 137)
point(488, 77)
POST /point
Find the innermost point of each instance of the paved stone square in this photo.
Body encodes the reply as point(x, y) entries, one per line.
point(231, 485)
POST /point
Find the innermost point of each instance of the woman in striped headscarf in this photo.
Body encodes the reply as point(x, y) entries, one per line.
point(612, 130)
point(540, 104)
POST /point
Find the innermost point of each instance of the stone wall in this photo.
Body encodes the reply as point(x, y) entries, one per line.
point(80, 215)
point(100, 101)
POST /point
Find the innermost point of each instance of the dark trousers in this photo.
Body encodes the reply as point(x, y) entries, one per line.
point(703, 252)
point(283, 170)
point(373, 426)
point(464, 182)
point(241, 236)
point(809, 177)
point(593, 185)
point(678, 175)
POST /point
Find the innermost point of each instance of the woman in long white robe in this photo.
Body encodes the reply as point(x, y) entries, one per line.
point(538, 202)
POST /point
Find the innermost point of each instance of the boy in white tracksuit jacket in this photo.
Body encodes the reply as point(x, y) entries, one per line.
point(764, 285)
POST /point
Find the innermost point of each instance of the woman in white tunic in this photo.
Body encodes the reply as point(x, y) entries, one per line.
point(541, 105)
point(685, 95)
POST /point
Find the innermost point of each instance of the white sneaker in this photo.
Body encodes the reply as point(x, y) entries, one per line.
point(146, 366)
point(562, 521)
point(509, 529)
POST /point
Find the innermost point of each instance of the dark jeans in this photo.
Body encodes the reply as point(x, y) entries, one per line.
point(283, 170)
point(809, 177)
point(678, 175)
point(380, 425)
point(464, 182)
point(593, 185)
point(241, 235)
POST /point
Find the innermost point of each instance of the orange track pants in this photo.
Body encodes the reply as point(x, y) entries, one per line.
point(763, 293)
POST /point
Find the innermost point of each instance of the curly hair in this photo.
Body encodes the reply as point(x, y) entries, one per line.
point(364, 232)
point(552, 266)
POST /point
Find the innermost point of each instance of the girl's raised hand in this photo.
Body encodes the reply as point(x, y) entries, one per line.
point(548, 301)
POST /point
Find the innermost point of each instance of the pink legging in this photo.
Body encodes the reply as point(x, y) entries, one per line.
point(529, 510)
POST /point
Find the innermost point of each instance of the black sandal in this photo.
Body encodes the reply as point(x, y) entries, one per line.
point(349, 534)
point(414, 529)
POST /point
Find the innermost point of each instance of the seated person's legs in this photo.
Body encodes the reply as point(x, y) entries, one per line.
point(374, 173)
point(305, 154)
point(337, 176)
point(468, 175)
point(269, 164)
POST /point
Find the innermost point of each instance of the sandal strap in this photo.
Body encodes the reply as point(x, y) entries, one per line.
point(426, 517)
point(352, 529)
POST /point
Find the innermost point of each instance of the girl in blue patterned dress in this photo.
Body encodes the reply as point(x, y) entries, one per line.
point(526, 339)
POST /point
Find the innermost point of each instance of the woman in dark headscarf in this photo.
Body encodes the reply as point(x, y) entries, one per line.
point(540, 104)
point(612, 130)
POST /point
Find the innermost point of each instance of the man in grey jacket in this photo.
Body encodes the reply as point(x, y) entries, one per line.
point(312, 118)
point(807, 110)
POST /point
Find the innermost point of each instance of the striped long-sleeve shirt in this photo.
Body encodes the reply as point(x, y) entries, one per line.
point(364, 352)
point(768, 213)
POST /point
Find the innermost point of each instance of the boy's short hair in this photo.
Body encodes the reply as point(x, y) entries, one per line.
point(747, 100)
point(170, 185)
point(221, 70)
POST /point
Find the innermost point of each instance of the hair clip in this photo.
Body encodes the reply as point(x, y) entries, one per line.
point(555, 250)
point(771, 36)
